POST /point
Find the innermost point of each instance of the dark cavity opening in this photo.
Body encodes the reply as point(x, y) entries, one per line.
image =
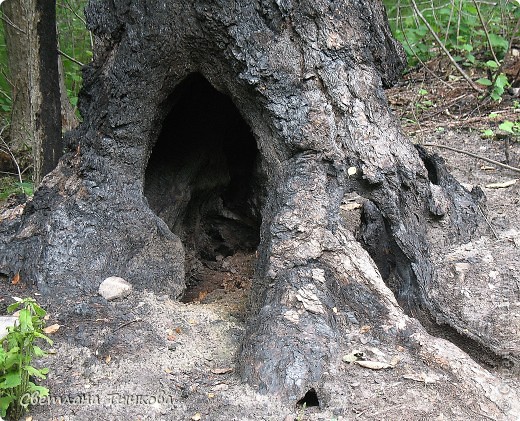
point(310, 399)
point(203, 180)
point(429, 164)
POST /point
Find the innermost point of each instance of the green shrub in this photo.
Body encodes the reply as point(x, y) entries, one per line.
point(17, 351)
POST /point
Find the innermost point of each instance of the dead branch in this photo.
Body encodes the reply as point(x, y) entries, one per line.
point(491, 161)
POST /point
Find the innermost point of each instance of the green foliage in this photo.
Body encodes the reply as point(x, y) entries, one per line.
point(510, 127)
point(424, 103)
point(74, 41)
point(11, 185)
point(473, 40)
point(457, 24)
point(497, 87)
point(17, 351)
point(507, 127)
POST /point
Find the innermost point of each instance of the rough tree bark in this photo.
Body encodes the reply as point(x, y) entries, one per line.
point(33, 65)
point(237, 123)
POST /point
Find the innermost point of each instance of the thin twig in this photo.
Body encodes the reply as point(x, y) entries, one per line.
point(11, 23)
point(68, 6)
point(13, 158)
point(489, 223)
point(5, 94)
point(137, 319)
point(79, 63)
point(443, 108)
point(491, 161)
point(485, 31)
point(419, 59)
point(444, 49)
point(509, 51)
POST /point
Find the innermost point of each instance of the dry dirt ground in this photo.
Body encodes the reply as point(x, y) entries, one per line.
point(148, 357)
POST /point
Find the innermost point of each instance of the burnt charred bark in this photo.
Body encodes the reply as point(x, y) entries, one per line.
point(212, 127)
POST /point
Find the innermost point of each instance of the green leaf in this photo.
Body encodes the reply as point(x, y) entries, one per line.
point(38, 352)
point(25, 320)
point(501, 81)
point(13, 307)
point(40, 312)
point(42, 336)
point(35, 372)
point(42, 391)
point(484, 81)
point(11, 380)
point(498, 42)
point(507, 126)
point(495, 96)
point(5, 401)
point(492, 64)
point(488, 133)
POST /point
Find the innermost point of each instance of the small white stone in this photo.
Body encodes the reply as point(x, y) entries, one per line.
point(5, 322)
point(114, 287)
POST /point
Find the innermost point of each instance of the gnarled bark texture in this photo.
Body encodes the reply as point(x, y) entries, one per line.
point(211, 127)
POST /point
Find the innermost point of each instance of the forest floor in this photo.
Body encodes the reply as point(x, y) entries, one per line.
point(148, 357)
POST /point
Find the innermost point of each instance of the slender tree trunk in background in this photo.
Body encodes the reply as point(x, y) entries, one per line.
point(17, 42)
point(33, 63)
point(69, 120)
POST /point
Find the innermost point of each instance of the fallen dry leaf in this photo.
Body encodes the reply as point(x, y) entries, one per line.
point(364, 328)
point(503, 185)
point(220, 387)
point(108, 359)
point(353, 356)
point(421, 377)
point(221, 370)
point(196, 417)
point(350, 206)
point(487, 168)
point(373, 365)
point(16, 279)
point(49, 330)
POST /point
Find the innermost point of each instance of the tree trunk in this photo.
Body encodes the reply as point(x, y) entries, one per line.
point(33, 64)
point(17, 43)
point(69, 120)
point(216, 127)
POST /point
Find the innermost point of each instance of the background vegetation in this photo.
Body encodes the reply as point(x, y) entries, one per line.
point(474, 34)
point(75, 43)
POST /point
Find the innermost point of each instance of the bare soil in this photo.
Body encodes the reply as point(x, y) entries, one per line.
point(148, 357)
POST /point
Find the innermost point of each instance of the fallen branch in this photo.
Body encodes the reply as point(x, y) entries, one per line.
point(491, 161)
